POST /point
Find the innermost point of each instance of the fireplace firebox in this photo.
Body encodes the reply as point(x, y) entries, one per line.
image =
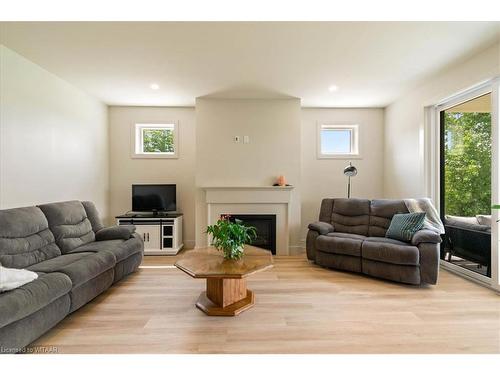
point(265, 227)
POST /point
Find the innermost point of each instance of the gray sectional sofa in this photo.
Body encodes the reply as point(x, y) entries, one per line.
point(350, 235)
point(75, 257)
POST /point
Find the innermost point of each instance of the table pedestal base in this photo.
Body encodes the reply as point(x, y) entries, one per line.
point(225, 297)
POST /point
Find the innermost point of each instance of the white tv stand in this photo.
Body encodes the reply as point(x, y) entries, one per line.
point(161, 232)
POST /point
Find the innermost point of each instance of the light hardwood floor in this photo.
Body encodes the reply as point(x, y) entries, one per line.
point(300, 308)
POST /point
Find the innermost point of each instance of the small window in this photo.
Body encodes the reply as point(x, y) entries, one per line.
point(337, 141)
point(155, 141)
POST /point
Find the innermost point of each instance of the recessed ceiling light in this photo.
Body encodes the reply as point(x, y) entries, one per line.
point(333, 88)
point(154, 86)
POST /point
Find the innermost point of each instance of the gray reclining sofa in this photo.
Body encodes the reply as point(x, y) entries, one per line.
point(350, 235)
point(75, 257)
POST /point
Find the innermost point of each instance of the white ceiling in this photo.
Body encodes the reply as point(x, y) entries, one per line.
point(371, 63)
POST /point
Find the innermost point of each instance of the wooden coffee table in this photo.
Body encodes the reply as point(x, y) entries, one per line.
point(226, 293)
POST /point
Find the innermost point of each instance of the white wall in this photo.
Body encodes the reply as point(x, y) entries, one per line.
point(404, 121)
point(54, 146)
point(53, 138)
point(273, 126)
point(125, 171)
point(323, 178)
point(282, 141)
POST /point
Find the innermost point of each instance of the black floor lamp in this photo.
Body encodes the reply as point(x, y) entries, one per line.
point(350, 171)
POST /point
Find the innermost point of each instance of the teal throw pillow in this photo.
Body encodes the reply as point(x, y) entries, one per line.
point(404, 226)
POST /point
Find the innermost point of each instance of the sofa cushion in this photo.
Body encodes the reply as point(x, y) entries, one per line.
point(386, 240)
point(381, 213)
point(119, 248)
point(339, 245)
point(390, 251)
point(347, 235)
point(93, 215)
point(96, 246)
point(69, 223)
point(25, 238)
point(80, 267)
point(404, 226)
point(351, 215)
point(53, 264)
point(325, 211)
point(29, 298)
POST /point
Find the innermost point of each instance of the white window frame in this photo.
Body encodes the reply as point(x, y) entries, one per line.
point(137, 140)
point(353, 128)
point(431, 151)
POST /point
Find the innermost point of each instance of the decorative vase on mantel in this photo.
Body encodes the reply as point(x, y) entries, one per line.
point(281, 181)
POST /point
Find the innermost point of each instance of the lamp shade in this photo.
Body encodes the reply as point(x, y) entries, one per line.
point(350, 170)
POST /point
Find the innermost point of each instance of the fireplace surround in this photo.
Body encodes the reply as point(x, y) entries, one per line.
point(251, 200)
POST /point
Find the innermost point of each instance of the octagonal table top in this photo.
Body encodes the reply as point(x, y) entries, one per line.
point(209, 263)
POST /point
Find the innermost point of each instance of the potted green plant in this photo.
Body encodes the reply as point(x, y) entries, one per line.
point(230, 236)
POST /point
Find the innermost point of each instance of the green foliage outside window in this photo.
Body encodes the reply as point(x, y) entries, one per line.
point(467, 163)
point(158, 140)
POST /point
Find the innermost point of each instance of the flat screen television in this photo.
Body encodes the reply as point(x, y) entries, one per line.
point(154, 197)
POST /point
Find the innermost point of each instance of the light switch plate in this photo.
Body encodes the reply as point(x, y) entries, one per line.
point(236, 139)
point(246, 139)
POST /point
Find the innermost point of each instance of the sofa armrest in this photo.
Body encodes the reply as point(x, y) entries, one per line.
point(321, 227)
point(429, 263)
point(425, 236)
point(117, 232)
point(312, 235)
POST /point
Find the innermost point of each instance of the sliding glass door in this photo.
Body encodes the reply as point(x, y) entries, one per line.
point(466, 184)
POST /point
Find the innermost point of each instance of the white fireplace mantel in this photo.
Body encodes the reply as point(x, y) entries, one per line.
point(253, 200)
point(248, 194)
point(287, 187)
